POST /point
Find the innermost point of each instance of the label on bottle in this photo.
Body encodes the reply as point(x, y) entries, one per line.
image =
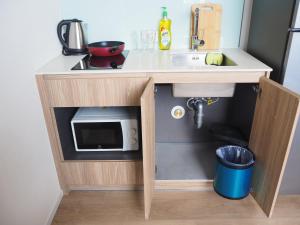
point(165, 37)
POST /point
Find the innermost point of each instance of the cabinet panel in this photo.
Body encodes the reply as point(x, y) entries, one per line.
point(52, 131)
point(275, 119)
point(103, 173)
point(95, 92)
point(148, 135)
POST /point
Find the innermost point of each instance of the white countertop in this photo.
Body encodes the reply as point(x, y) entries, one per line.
point(155, 61)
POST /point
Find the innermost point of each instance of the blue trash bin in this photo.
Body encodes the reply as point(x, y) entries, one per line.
point(234, 171)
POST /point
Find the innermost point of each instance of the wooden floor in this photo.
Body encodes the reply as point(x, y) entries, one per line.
point(170, 208)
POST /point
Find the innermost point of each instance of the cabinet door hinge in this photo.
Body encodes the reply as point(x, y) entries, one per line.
point(257, 90)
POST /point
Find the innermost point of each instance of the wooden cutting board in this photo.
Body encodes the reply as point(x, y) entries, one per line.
point(209, 25)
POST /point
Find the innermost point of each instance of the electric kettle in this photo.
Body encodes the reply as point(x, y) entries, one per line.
point(72, 37)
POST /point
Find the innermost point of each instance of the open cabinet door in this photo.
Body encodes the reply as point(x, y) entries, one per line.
point(275, 119)
point(148, 135)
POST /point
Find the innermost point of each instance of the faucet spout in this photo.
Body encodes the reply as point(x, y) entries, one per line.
point(196, 21)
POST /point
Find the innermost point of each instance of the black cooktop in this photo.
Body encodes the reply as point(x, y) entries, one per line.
point(101, 62)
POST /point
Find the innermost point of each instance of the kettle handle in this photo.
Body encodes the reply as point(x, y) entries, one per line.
point(59, 32)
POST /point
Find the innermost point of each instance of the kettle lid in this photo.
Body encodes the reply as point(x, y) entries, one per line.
point(75, 20)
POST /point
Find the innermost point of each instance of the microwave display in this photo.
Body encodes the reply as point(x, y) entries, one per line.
point(99, 135)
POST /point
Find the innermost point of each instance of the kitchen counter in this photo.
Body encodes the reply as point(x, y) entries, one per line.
point(155, 61)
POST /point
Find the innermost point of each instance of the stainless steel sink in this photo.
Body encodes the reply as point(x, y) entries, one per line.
point(197, 59)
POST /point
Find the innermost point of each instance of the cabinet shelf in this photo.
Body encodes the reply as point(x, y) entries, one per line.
point(186, 161)
point(201, 205)
point(103, 156)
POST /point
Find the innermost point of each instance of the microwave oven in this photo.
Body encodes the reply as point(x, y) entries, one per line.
point(105, 129)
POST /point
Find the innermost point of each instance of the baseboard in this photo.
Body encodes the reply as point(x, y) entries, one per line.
point(184, 185)
point(54, 208)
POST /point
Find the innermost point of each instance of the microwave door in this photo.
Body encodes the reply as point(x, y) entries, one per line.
point(98, 136)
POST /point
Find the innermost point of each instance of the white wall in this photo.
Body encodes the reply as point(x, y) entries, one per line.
point(29, 186)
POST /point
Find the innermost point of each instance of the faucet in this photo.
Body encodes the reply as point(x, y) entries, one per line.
point(196, 42)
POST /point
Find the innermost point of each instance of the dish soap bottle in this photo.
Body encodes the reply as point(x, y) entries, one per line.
point(164, 31)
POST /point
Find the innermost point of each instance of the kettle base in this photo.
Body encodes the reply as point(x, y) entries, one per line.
point(68, 52)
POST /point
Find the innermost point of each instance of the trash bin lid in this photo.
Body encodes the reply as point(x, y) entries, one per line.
point(235, 157)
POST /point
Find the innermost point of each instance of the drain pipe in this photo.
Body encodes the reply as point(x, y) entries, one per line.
point(196, 104)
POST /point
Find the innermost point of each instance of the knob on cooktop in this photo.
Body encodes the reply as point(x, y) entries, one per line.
point(114, 65)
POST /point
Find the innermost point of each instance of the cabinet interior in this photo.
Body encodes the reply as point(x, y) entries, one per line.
point(63, 116)
point(184, 152)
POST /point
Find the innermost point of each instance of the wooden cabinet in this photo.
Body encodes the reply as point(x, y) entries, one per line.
point(95, 91)
point(148, 136)
point(86, 174)
point(90, 91)
point(275, 119)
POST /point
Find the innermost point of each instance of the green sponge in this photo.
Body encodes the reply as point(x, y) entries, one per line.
point(214, 59)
